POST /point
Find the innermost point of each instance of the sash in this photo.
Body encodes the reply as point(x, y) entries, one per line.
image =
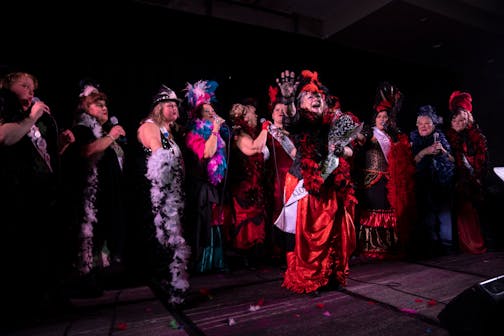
point(282, 139)
point(383, 140)
point(499, 171)
point(286, 221)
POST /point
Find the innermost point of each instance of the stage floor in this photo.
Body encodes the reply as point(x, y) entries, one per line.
point(381, 298)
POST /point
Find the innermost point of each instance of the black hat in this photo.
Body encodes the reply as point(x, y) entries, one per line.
point(165, 94)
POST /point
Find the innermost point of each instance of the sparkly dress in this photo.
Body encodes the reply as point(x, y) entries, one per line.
point(379, 232)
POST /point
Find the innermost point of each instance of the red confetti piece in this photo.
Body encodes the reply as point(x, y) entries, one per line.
point(432, 302)
point(320, 305)
point(260, 302)
point(204, 291)
point(371, 302)
point(122, 326)
point(408, 310)
point(418, 300)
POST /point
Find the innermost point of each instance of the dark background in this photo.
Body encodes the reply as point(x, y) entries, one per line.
point(131, 48)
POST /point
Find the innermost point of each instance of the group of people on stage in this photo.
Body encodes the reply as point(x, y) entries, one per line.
point(313, 186)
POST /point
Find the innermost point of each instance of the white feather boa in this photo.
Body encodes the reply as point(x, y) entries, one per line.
point(167, 206)
point(86, 260)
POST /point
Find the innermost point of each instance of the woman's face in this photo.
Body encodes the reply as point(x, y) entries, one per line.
point(381, 120)
point(424, 125)
point(459, 122)
point(313, 102)
point(24, 88)
point(169, 110)
point(278, 112)
point(99, 110)
point(207, 112)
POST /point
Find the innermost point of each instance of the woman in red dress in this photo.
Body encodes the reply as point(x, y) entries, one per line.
point(469, 148)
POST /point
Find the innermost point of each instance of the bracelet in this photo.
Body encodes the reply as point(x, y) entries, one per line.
point(215, 133)
point(110, 136)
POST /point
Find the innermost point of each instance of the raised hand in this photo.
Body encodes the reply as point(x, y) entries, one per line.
point(287, 84)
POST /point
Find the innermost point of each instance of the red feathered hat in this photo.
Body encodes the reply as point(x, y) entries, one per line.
point(384, 105)
point(460, 99)
point(309, 82)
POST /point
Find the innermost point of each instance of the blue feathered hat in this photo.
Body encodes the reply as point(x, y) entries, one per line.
point(429, 111)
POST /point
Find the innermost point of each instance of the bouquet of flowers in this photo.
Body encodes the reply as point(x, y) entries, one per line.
point(343, 130)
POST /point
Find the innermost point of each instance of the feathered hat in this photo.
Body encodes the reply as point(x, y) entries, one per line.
point(201, 92)
point(164, 94)
point(459, 99)
point(309, 82)
point(87, 86)
point(429, 111)
point(388, 98)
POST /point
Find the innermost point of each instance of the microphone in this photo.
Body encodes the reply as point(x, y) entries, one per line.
point(436, 137)
point(266, 124)
point(35, 100)
point(219, 119)
point(114, 121)
point(46, 112)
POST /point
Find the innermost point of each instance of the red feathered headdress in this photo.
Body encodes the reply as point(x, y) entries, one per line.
point(310, 82)
point(384, 105)
point(388, 98)
point(460, 99)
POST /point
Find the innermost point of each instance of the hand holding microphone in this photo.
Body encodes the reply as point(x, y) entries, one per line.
point(436, 137)
point(436, 146)
point(218, 119)
point(38, 108)
point(218, 122)
point(265, 124)
point(117, 132)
